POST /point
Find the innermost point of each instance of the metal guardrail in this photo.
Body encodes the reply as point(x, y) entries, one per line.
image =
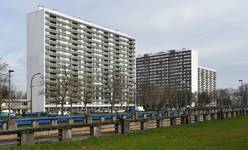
point(63, 119)
point(119, 123)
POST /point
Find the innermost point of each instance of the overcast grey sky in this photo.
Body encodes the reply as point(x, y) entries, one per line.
point(218, 30)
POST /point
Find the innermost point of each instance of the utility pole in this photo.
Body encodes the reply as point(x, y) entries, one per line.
point(135, 96)
point(31, 92)
point(242, 88)
point(9, 93)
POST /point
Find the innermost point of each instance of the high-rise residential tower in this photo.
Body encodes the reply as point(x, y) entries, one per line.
point(88, 51)
point(173, 78)
point(207, 81)
point(174, 71)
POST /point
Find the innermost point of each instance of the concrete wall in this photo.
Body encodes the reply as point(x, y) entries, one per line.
point(35, 58)
point(194, 71)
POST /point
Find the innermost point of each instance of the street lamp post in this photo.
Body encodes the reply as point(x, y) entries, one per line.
point(9, 92)
point(242, 96)
point(31, 91)
point(135, 96)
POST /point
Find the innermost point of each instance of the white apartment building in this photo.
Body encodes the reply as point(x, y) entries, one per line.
point(86, 49)
point(207, 80)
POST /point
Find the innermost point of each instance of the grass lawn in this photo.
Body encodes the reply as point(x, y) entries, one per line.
point(221, 134)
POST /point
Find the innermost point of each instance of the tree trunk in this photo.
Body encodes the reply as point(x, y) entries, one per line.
point(85, 107)
point(71, 108)
point(1, 107)
point(62, 108)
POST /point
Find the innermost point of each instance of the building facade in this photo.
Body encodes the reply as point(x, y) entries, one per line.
point(173, 70)
point(18, 106)
point(89, 52)
point(207, 81)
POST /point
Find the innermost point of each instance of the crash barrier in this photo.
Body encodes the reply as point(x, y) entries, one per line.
point(66, 128)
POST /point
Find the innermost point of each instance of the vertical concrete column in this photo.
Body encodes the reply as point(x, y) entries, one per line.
point(4, 126)
point(144, 116)
point(160, 115)
point(244, 112)
point(183, 120)
point(224, 115)
point(234, 114)
point(71, 121)
point(124, 126)
point(26, 138)
point(153, 115)
point(160, 123)
point(193, 119)
point(35, 123)
point(215, 116)
point(221, 115)
point(204, 117)
point(54, 122)
point(237, 113)
point(230, 114)
point(201, 118)
point(172, 121)
point(114, 118)
point(209, 117)
point(188, 119)
point(102, 119)
point(11, 125)
point(118, 128)
point(212, 116)
point(143, 124)
point(88, 119)
point(197, 118)
point(95, 130)
point(136, 115)
point(65, 134)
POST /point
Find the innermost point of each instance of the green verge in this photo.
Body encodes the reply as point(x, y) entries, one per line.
point(225, 134)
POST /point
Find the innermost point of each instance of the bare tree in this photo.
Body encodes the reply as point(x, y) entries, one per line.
point(223, 98)
point(228, 97)
point(3, 79)
point(24, 96)
point(130, 98)
point(87, 92)
point(3, 71)
point(64, 87)
point(115, 90)
point(152, 98)
point(74, 93)
point(243, 94)
point(3, 95)
point(203, 99)
point(143, 93)
point(18, 94)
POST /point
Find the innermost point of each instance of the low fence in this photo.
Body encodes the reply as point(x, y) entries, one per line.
point(60, 129)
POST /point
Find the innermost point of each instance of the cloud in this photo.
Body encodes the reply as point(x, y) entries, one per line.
point(216, 29)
